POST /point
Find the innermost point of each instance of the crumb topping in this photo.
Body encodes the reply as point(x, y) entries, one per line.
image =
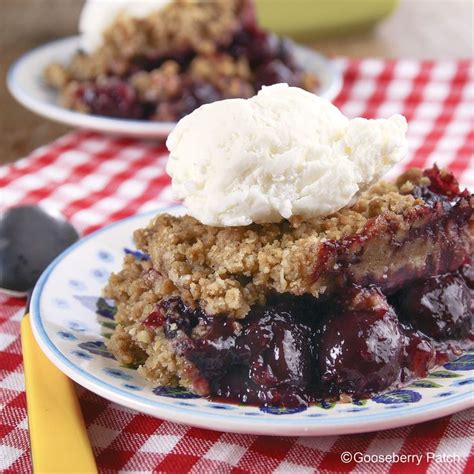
point(229, 269)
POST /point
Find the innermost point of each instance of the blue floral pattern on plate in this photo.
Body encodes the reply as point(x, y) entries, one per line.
point(398, 396)
point(461, 383)
point(355, 409)
point(227, 406)
point(97, 305)
point(444, 394)
point(282, 410)
point(117, 373)
point(173, 392)
point(76, 326)
point(67, 335)
point(100, 274)
point(97, 348)
point(60, 303)
point(105, 256)
point(105, 307)
point(77, 285)
point(82, 355)
point(132, 387)
point(465, 362)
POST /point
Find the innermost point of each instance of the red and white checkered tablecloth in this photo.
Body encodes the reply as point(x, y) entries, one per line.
point(95, 179)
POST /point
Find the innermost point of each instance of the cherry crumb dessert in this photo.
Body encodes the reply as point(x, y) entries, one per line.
point(163, 65)
point(293, 312)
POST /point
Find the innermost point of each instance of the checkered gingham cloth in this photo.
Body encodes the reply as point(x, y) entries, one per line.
point(94, 180)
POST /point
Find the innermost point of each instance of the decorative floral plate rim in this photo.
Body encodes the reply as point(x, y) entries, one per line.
point(70, 334)
point(26, 84)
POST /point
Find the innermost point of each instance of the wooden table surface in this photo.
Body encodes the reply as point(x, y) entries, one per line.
point(422, 29)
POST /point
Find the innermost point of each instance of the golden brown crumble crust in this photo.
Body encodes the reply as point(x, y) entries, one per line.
point(132, 342)
point(227, 270)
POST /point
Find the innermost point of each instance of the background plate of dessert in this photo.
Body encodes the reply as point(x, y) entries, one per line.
point(111, 79)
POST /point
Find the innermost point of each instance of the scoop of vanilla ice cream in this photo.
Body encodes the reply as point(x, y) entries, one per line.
point(284, 152)
point(98, 15)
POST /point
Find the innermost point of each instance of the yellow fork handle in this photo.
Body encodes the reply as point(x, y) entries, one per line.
point(59, 441)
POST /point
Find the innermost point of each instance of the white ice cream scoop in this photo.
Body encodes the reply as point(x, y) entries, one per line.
point(284, 152)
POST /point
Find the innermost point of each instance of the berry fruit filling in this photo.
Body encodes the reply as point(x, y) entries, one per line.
point(360, 349)
point(297, 350)
point(438, 306)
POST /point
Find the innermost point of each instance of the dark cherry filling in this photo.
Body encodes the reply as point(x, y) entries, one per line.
point(419, 355)
point(443, 183)
point(193, 95)
point(294, 351)
point(154, 61)
point(439, 306)
point(277, 351)
point(213, 351)
point(112, 97)
point(360, 349)
point(274, 72)
point(178, 317)
point(155, 319)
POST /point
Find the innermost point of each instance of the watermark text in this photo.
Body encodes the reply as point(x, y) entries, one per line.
point(416, 459)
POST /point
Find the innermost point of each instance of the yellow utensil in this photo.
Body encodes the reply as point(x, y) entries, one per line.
point(59, 441)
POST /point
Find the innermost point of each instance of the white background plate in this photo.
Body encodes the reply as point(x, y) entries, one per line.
point(71, 335)
point(25, 82)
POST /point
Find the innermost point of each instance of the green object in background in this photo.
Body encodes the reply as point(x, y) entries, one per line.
point(306, 19)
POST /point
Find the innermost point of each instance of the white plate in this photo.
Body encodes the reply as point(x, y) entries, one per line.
point(25, 82)
point(71, 334)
